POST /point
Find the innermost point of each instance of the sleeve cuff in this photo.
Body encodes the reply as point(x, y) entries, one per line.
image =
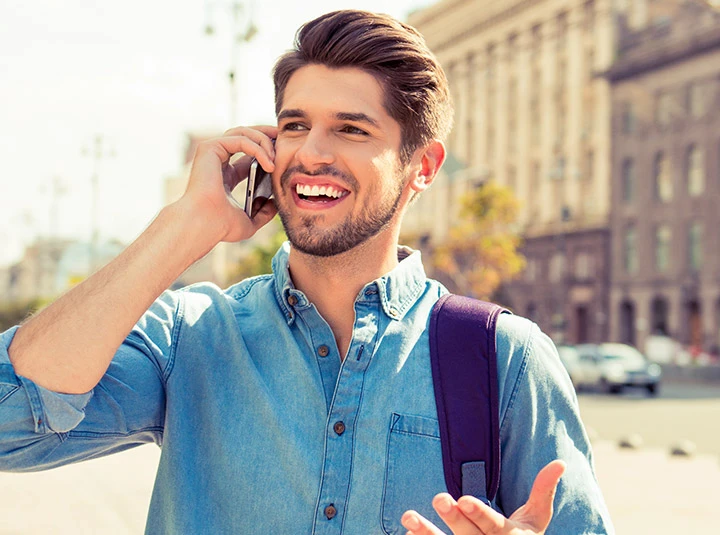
point(52, 411)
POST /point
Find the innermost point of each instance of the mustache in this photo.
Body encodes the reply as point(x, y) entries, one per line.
point(326, 170)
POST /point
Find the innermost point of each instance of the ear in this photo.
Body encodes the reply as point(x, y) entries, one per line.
point(431, 158)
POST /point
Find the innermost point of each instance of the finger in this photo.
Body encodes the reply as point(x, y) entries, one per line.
point(419, 525)
point(539, 507)
point(236, 171)
point(482, 516)
point(263, 135)
point(228, 146)
point(457, 521)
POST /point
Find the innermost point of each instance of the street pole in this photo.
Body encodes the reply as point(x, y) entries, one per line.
point(99, 153)
point(242, 31)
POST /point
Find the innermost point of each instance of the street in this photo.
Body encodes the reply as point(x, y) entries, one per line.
point(682, 411)
point(646, 489)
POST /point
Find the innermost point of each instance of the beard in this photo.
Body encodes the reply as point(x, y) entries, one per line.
point(307, 237)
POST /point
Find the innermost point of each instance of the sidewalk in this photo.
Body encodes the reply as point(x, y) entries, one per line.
point(647, 492)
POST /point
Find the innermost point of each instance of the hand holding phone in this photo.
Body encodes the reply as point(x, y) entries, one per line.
point(259, 189)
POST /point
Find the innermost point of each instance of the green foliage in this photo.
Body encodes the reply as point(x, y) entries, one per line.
point(17, 312)
point(259, 259)
point(480, 252)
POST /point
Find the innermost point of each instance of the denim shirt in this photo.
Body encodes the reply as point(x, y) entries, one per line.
point(265, 429)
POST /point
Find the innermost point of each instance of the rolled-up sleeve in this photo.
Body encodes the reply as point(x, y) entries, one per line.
point(41, 429)
point(540, 422)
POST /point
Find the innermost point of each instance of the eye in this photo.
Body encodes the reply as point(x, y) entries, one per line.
point(293, 127)
point(350, 129)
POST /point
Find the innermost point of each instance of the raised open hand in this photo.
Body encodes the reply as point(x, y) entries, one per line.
point(470, 516)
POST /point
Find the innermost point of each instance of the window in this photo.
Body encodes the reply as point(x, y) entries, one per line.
point(589, 166)
point(696, 103)
point(512, 178)
point(628, 118)
point(558, 172)
point(630, 253)
point(557, 267)
point(663, 108)
point(491, 101)
point(583, 266)
point(663, 237)
point(534, 119)
point(562, 27)
point(663, 178)
point(512, 116)
point(531, 270)
point(589, 17)
point(628, 178)
point(695, 246)
point(695, 171)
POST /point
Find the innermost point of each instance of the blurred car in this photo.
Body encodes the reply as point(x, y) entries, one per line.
point(618, 366)
point(583, 368)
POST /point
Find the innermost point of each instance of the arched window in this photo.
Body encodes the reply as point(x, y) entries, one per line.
point(630, 253)
point(663, 178)
point(628, 178)
point(663, 237)
point(695, 171)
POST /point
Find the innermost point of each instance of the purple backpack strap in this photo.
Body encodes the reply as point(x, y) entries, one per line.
point(464, 368)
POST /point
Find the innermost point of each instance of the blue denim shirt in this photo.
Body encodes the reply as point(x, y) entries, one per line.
point(264, 429)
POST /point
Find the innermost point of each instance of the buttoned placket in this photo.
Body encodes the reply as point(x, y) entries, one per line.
point(340, 429)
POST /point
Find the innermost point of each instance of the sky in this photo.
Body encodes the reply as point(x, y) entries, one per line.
point(140, 74)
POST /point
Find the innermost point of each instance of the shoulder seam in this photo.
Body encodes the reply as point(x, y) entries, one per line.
point(247, 285)
point(521, 373)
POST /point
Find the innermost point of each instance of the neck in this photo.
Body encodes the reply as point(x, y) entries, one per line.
point(333, 283)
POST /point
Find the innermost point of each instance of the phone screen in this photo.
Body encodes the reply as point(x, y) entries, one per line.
point(259, 189)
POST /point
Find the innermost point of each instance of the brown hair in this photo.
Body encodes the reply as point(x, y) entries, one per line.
point(415, 86)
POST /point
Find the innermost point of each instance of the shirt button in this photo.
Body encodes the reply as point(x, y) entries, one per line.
point(330, 512)
point(292, 300)
point(393, 313)
point(339, 428)
point(323, 351)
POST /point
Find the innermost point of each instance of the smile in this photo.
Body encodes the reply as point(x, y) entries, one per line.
point(317, 193)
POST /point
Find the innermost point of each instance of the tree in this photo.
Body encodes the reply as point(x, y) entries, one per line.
point(480, 252)
point(259, 259)
point(14, 313)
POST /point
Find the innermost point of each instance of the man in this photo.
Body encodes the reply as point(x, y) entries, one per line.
point(300, 401)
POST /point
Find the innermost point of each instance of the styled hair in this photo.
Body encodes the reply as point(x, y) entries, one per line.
point(416, 93)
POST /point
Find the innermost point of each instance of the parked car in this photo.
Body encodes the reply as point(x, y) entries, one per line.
point(583, 368)
point(609, 367)
point(621, 366)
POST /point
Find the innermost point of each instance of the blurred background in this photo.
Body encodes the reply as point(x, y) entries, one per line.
point(580, 190)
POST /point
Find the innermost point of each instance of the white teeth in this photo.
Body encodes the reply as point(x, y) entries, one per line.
point(315, 191)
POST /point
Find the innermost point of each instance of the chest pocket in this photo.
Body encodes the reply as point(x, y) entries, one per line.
point(413, 470)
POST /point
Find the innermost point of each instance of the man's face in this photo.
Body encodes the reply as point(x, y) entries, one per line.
point(338, 179)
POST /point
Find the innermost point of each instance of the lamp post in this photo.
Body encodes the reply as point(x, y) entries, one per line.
point(98, 153)
point(242, 30)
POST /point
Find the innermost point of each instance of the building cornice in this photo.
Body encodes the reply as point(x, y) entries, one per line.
point(499, 11)
point(657, 55)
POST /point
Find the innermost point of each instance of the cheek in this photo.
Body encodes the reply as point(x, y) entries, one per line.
point(387, 169)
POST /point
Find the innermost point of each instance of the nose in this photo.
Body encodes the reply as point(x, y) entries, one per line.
point(316, 150)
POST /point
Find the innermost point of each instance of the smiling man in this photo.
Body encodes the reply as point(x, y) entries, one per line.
point(301, 401)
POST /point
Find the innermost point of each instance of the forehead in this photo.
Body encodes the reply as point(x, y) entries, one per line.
point(317, 89)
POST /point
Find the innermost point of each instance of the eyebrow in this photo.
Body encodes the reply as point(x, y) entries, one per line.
point(358, 117)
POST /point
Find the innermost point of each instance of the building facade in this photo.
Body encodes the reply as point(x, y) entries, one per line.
point(665, 245)
point(535, 112)
point(532, 114)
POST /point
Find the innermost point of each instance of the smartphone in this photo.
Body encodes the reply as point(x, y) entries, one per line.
point(259, 188)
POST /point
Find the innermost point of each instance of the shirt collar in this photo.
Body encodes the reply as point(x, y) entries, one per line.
point(397, 290)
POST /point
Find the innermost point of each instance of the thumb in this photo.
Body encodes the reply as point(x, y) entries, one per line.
point(538, 510)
